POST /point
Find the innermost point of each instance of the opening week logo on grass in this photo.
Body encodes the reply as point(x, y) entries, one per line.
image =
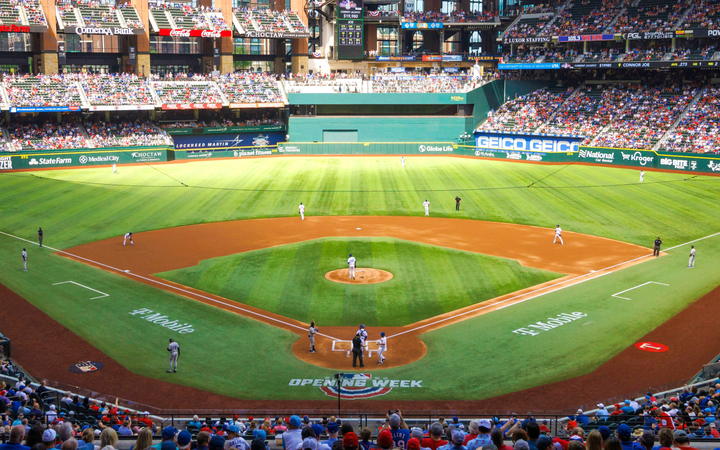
point(356, 386)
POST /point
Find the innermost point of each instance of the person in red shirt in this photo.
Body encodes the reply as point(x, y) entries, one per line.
point(497, 438)
point(435, 439)
point(473, 432)
point(663, 419)
point(682, 441)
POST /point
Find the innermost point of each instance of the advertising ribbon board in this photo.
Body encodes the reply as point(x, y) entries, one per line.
point(179, 32)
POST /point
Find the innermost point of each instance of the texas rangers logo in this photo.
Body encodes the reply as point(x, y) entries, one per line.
point(354, 386)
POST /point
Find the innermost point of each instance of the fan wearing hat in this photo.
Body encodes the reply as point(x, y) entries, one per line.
point(385, 439)
point(168, 434)
point(293, 436)
point(625, 435)
point(682, 440)
point(234, 440)
point(350, 441)
point(332, 431)
point(483, 438)
point(601, 414)
point(399, 430)
point(49, 438)
point(457, 437)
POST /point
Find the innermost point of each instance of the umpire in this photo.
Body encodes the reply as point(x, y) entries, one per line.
point(656, 247)
point(357, 350)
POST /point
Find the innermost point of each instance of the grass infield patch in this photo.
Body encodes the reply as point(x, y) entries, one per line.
point(427, 280)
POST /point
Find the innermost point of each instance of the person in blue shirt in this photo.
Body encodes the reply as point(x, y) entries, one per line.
point(332, 430)
point(582, 420)
point(456, 442)
point(625, 435)
point(17, 433)
point(399, 430)
point(627, 409)
point(195, 422)
point(601, 414)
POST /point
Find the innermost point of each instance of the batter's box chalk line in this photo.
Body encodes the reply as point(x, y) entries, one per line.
point(81, 285)
point(617, 295)
point(346, 346)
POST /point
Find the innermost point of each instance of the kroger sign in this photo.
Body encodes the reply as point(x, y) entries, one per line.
point(526, 142)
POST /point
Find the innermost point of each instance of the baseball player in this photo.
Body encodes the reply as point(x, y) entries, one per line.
point(457, 203)
point(115, 168)
point(40, 236)
point(642, 175)
point(656, 247)
point(382, 346)
point(311, 335)
point(691, 263)
point(351, 264)
point(426, 204)
point(302, 211)
point(174, 350)
point(128, 237)
point(24, 257)
point(363, 336)
point(402, 160)
point(558, 235)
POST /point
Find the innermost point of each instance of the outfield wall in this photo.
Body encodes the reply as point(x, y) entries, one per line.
point(56, 159)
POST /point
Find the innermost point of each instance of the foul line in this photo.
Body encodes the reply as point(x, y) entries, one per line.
point(639, 285)
point(700, 239)
point(82, 285)
point(122, 272)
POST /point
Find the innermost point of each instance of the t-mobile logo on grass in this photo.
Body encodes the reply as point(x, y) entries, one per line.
point(163, 321)
point(552, 322)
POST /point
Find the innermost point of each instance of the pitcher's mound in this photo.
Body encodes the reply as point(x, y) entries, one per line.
point(362, 276)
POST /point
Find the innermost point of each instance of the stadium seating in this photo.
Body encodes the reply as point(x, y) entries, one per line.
point(650, 16)
point(177, 92)
point(116, 90)
point(320, 83)
point(45, 136)
point(9, 13)
point(33, 11)
point(250, 88)
point(266, 20)
point(158, 13)
point(126, 134)
point(703, 14)
point(586, 17)
point(188, 18)
point(95, 14)
point(455, 17)
point(66, 9)
point(699, 130)
point(528, 27)
point(526, 113)
point(132, 20)
point(42, 90)
point(420, 84)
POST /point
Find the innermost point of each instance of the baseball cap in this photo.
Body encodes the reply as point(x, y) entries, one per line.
point(458, 436)
point(604, 432)
point(309, 443)
point(600, 405)
point(522, 444)
point(624, 430)
point(455, 419)
point(306, 419)
point(543, 443)
point(627, 402)
point(185, 438)
point(168, 433)
point(413, 444)
point(580, 411)
point(295, 421)
point(395, 420)
point(260, 434)
point(332, 427)
point(318, 429)
point(216, 443)
point(230, 429)
point(168, 445)
point(484, 423)
point(49, 435)
point(385, 438)
point(417, 433)
point(679, 435)
point(350, 440)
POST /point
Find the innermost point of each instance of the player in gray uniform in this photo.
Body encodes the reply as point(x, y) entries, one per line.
point(311, 335)
point(363, 336)
point(691, 262)
point(351, 264)
point(174, 350)
point(24, 257)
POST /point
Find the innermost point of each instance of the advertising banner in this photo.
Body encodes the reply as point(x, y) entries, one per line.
point(14, 29)
point(107, 31)
point(193, 106)
point(276, 35)
point(391, 58)
point(121, 107)
point(650, 35)
point(180, 32)
point(257, 105)
point(82, 157)
point(528, 66)
point(686, 162)
point(527, 40)
point(32, 109)
point(610, 65)
point(526, 142)
point(587, 37)
point(422, 25)
point(222, 142)
point(224, 130)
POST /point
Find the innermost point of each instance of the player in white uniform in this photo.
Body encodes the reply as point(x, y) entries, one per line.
point(128, 237)
point(174, 350)
point(302, 211)
point(382, 346)
point(642, 175)
point(426, 204)
point(558, 235)
point(402, 160)
point(114, 168)
point(691, 263)
point(24, 257)
point(351, 264)
point(363, 337)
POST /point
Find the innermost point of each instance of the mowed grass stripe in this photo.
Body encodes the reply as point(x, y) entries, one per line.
point(290, 280)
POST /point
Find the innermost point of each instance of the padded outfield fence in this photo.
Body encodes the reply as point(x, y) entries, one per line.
point(641, 159)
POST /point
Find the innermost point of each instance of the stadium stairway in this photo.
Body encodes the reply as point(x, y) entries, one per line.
point(671, 129)
point(557, 14)
point(83, 96)
point(682, 19)
point(88, 142)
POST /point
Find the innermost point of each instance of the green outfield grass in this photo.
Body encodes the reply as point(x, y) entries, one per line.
point(290, 280)
point(84, 205)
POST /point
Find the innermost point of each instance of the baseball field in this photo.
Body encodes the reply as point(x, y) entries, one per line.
point(481, 303)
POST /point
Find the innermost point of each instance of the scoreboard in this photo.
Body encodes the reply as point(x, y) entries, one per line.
point(350, 29)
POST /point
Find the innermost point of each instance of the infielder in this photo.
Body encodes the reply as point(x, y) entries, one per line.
point(363, 337)
point(40, 236)
point(311, 335)
point(24, 257)
point(302, 211)
point(691, 263)
point(402, 160)
point(426, 204)
point(642, 175)
point(656, 247)
point(128, 237)
point(558, 235)
point(351, 263)
point(174, 350)
point(115, 168)
point(382, 346)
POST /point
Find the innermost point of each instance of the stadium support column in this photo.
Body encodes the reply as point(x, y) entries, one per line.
point(47, 61)
point(371, 37)
point(299, 47)
point(225, 44)
point(141, 41)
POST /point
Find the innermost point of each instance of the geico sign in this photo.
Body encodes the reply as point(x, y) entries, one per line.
point(105, 31)
point(510, 143)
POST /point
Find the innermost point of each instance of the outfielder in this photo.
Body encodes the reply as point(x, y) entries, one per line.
point(691, 263)
point(174, 350)
point(558, 235)
point(402, 160)
point(382, 346)
point(115, 168)
point(128, 237)
point(302, 211)
point(642, 175)
point(24, 257)
point(311, 335)
point(351, 263)
point(426, 204)
point(40, 236)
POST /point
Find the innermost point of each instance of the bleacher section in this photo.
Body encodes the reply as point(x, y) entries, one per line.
point(45, 136)
point(188, 18)
point(104, 91)
point(42, 90)
point(528, 26)
point(178, 95)
point(266, 20)
point(699, 130)
point(132, 20)
point(33, 12)
point(125, 134)
point(67, 14)
point(158, 13)
point(586, 17)
point(98, 15)
point(650, 16)
point(250, 89)
point(9, 13)
point(527, 113)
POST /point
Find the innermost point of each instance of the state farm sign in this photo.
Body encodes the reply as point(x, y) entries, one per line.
point(14, 29)
point(178, 32)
